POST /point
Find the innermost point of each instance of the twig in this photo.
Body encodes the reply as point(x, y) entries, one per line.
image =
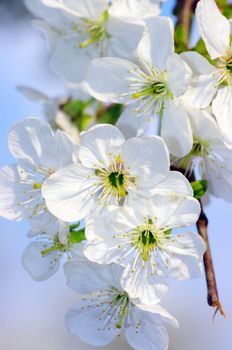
point(202, 227)
point(213, 298)
point(185, 9)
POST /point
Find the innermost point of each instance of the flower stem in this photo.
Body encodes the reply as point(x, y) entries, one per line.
point(202, 227)
point(185, 17)
point(213, 297)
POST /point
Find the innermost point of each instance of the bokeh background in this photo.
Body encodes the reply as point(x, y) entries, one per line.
point(32, 313)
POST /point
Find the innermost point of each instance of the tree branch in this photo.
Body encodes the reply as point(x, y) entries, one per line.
point(202, 227)
point(213, 298)
point(185, 10)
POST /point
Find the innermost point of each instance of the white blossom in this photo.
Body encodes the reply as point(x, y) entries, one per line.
point(38, 152)
point(105, 310)
point(212, 81)
point(210, 157)
point(151, 87)
point(51, 109)
point(82, 30)
point(111, 171)
point(144, 239)
point(42, 257)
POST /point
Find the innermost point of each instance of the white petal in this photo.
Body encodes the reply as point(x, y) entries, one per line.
point(222, 107)
point(178, 75)
point(214, 28)
point(63, 122)
point(174, 184)
point(68, 192)
point(98, 143)
point(62, 149)
point(155, 48)
point(185, 253)
point(175, 118)
point(125, 36)
point(86, 277)
point(53, 16)
point(71, 62)
point(134, 8)
point(203, 86)
point(29, 141)
point(40, 267)
point(157, 313)
point(149, 336)
point(88, 324)
point(88, 8)
point(203, 125)
point(147, 159)
point(33, 94)
point(44, 223)
point(130, 124)
point(140, 283)
point(219, 178)
point(174, 212)
point(108, 78)
point(11, 193)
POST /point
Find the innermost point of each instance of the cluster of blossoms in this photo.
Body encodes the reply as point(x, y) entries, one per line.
point(106, 198)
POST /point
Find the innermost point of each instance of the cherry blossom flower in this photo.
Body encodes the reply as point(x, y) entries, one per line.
point(111, 171)
point(82, 30)
point(210, 156)
point(212, 81)
point(151, 87)
point(143, 239)
point(105, 310)
point(39, 152)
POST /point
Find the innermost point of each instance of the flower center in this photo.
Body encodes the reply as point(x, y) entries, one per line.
point(121, 301)
point(148, 90)
point(156, 89)
point(229, 67)
point(115, 182)
point(96, 30)
point(200, 148)
point(224, 66)
point(147, 238)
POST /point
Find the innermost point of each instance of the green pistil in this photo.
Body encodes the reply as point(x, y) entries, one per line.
point(123, 298)
point(200, 148)
point(37, 186)
point(73, 238)
point(96, 30)
point(148, 240)
point(157, 89)
point(229, 67)
point(59, 246)
point(116, 179)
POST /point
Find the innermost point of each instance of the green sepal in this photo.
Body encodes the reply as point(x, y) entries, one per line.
point(181, 39)
point(76, 110)
point(199, 188)
point(110, 114)
point(201, 49)
point(77, 236)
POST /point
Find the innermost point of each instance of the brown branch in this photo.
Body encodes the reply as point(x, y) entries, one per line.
point(185, 11)
point(213, 297)
point(202, 227)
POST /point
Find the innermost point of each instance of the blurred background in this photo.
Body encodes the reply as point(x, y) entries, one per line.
point(32, 313)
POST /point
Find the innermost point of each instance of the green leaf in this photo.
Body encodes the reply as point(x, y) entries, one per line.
point(201, 49)
point(110, 115)
point(77, 236)
point(199, 188)
point(181, 39)
point(76, 110)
